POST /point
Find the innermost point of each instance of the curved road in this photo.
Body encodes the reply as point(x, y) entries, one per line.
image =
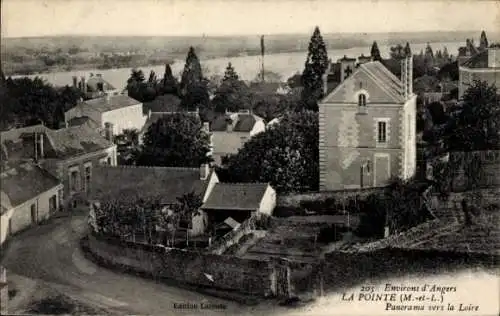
point(51, 254)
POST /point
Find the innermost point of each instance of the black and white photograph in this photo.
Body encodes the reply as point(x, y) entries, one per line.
point(250, 157)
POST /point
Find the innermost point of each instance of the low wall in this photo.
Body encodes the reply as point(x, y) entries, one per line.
point(229, 273)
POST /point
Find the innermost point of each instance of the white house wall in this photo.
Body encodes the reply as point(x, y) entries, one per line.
point(268, 202)
point(130, 117)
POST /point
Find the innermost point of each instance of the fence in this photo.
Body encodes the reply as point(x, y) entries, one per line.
point(247, 276)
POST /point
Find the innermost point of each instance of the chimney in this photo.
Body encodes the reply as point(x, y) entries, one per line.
point(494, 57)
point(75, 82)
point(407, 76)
point(325, 84)
point(204, 170)
point(84, 85)
point(41, 145)
point(149, 113)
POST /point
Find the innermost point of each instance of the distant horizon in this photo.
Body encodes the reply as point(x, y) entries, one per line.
point(226, 18)
point(254, 34)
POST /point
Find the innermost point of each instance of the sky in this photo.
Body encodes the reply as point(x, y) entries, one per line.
point(22, 18)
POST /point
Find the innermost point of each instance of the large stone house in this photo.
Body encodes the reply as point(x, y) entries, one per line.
point(69, 154)
point(28, 195)
point(484, 66)
point(230, 131)
point(113, 113)
point(367, 128)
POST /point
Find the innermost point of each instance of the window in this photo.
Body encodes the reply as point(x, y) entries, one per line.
point(382, 132)
point(87, 176)
point(33, 213)
point(362, 100)
point(53, 203)
point(109, 161)
point(74, 181)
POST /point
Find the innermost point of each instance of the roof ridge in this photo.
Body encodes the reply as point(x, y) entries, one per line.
point(377, 80)
point(243, 183)
point(147, 167)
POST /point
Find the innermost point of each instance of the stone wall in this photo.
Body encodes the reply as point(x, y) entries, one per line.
point(228, 273)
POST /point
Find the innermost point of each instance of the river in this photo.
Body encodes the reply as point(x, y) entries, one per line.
point(247, 67)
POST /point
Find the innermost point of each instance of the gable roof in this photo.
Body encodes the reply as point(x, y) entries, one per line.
point(477, 61)
point(242, 122)
point(386, 81)
point(167, 183)
point(110, 103)
point(77, 121)
point(77, 140)
point(25, 181)
point(236, 196)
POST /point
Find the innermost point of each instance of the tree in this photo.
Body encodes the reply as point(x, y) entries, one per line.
point(483, 42)
point(176, 140)
point(397, 52)
point(192, 74)
point(375, 52)
point(407, 50)
point(315, 67)
point(169, 84)
point(477, 124)
point(232, 94)
point(193, 87)
point(140, 89)
point(230, 74)
point(286, 155)
point(188, 206)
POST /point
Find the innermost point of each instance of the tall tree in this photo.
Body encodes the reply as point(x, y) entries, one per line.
point(483, 43)
point(169, 84)
point(176, 140)
point(446, 55)
point(375, 52)
point(477, 125)
point(233, 94)
point(286, 155)
point(193, 87)
point(192, 73)
point(315, 67)
point(407, 50)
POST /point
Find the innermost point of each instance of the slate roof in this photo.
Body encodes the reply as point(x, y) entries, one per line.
point(78, 121)
point(109, 183)
point(242, 122)
point(384, 78)
point(477, 61)
point(163, 103)
point(77, 140)
point(111, 103)
point(23, 182)
point(236, 196)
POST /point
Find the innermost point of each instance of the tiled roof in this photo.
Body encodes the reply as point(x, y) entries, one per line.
point(78, 121)
point(477, 61)
point(236, 196)
point(23, 182)
point(385, 78)
point(163, 103)
point(242, 122)
point(168, 183)
point(76, 140)
point(111, 102)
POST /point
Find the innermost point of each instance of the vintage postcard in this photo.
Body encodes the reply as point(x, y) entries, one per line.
point(245, 157)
